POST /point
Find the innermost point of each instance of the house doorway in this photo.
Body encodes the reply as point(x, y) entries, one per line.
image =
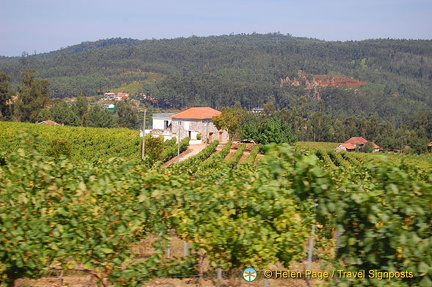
point(210, 137)
point(220, 136)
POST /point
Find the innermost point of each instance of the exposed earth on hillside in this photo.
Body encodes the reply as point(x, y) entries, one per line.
point(316, 83)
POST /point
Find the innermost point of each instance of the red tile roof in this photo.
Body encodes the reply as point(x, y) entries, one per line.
point(375, 146)
point(197, 113)
point(348, 146)
point(357, 140)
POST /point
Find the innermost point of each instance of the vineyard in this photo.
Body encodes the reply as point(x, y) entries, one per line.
point(363, 212)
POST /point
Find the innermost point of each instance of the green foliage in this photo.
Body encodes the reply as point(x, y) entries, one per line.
point(5, 95)
point(191, 165)
point(81, 107)
point(59, 147)
point(61, 113)
point(171, 149)
point(99, 118)
point(368, 147)
point(380, 208)
point(252, 156)
point(230, 120)
point(267, 130)
point(57, 212)
point(220, 71)
point(213, 162)
point(385, 225)
point(153, 148)
point(33, 96)
point(89, 144)
point(127, 115)
point(232, 161)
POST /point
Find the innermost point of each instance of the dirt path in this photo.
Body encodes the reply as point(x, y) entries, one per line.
point(191, 151)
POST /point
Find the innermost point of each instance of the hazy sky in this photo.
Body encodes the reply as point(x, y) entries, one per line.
point(47, 25)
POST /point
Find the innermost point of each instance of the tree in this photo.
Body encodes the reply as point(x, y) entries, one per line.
point(5, 96)
point(81, 108)
point(99, 118)
point(338, 131)
point(368, 147)
point(62, 113)
point(230, 119)
point(267, 130)
point(372, 127)
point(321, 125)
point(153, 148)
point(277, 131)
point(127, 115)
point(32, 98)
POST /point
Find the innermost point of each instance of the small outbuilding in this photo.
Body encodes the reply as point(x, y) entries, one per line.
point(345, 147)
point(356, 143)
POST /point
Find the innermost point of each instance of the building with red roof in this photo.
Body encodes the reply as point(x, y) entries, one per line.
point(195, 123)
point(199, 113)
point(356, 143)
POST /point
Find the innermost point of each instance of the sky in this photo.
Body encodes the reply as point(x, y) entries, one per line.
point(39, 26)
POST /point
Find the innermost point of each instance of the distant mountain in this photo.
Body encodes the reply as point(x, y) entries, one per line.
point(395, 75)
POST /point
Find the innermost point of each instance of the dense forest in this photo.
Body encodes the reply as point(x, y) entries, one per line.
point(383, 80)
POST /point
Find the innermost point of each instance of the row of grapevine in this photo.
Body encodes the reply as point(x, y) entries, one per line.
point(191, 165)
point(213, 161)
point(325, 159)
point(171, 149)
point(252, 155)
point(351, 159)
point(234, 159)
point(338, 160)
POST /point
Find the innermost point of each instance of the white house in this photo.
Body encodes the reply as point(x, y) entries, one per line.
point(196, 123)
point(162, 121)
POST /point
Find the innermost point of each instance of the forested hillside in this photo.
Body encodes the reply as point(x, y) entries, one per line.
point(251, 69)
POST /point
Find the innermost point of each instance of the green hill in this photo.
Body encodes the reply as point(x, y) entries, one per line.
point(251, 69)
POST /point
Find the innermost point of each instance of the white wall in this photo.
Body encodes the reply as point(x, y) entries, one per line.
point(158, 124)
